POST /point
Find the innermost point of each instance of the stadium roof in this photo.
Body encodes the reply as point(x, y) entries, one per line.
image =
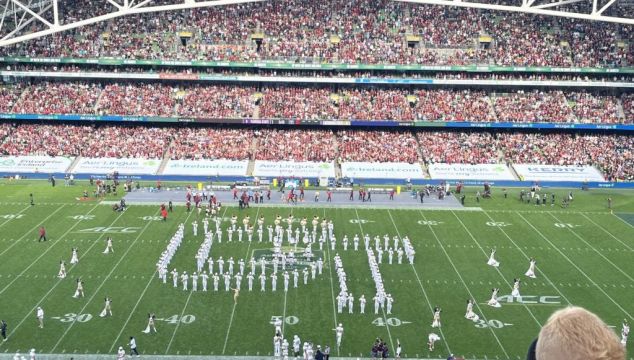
point(24, 20)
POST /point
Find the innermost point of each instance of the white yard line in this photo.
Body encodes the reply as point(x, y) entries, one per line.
point(575, 265)
point(19, 213)
point(169, 345)
point(285, 299)
point(45, 252)
point(27, 233)
point(496, 268)
point(139, 301)
point(387, 325)
point(224, 347)
point(103, 282)
point(625, 222)
point(332, 288)
point(607, 232)
point(464, 283)
point(420, 283)
point(528, 258)
point(595, 250)
point(30, 313)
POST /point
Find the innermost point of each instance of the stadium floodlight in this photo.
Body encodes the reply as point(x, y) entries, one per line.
point(542, 8)
point(19, 17)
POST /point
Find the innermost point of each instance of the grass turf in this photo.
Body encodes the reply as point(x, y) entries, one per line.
point(584, 258)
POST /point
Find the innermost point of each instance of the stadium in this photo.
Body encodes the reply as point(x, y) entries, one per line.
point(286, 179)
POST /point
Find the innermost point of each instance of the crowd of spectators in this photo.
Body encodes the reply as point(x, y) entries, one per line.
point(295, 102)
point(218, 101)
point(540, 106)
point(612, 154)
point(374, 104)
point(344, 31)
point(377, 146)
point(211, 143)
point(88, 141)
point(8, 97)
point(590, 108)
point(316, 103)
point(295, 145)
point(137, 99)
point(458, 147)
point(628, 105)
point(453, 105)
point(58, 98)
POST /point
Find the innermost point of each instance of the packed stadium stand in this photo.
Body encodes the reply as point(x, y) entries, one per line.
point(334, 63)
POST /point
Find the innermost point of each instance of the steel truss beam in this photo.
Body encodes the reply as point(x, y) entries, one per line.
point(541, 9)
point(16, 15)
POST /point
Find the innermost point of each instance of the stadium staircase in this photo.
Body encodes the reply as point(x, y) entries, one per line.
point(253, 150)
point(166, 158)
point(572, 105)
point(72, 166)
point(335, 145)
point(94, 108)
point(493, 112)
point(619, 107)
point(510, 166)
point(22, 95)
point(422, 160)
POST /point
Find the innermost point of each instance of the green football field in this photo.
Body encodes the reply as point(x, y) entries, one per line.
point(584, 257)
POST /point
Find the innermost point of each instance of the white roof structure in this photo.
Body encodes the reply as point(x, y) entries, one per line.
point(23, 20)
point(17, 16)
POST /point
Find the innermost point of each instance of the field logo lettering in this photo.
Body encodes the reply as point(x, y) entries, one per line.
point(497, 223)
point(82, 217)
point(111, 229)
point(530, 299)
point(175, 319)
point(566, 225)
point(495, 324)
point(11, 216)
point(429, 222)
point(151, 218)
point(360, 221)
point(71, 317)
point(289, 320)
point(389, 322)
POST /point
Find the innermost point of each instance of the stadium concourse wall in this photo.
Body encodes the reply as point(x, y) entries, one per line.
point(292, 65)
point(523, 175)
point(295, 122)
point(190, 178)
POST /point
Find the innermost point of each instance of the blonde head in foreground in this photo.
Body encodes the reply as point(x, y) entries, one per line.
point(575, 333)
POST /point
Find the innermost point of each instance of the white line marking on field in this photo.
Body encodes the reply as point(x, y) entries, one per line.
point(595, 250)
point(387, 326)
point(496, 268)
point(27, 233)
point(102, 283)
point(41, 255)
point(332, 289)
point(30, 313)
point(575, 265)
point(137, 305)
point(182, 312)
point(625, 222)
point(178, 323)
point(20, 212)
point(608, 232)
point(528, 258)
point(224, 347)
point(459, 277)
point(431, 308)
